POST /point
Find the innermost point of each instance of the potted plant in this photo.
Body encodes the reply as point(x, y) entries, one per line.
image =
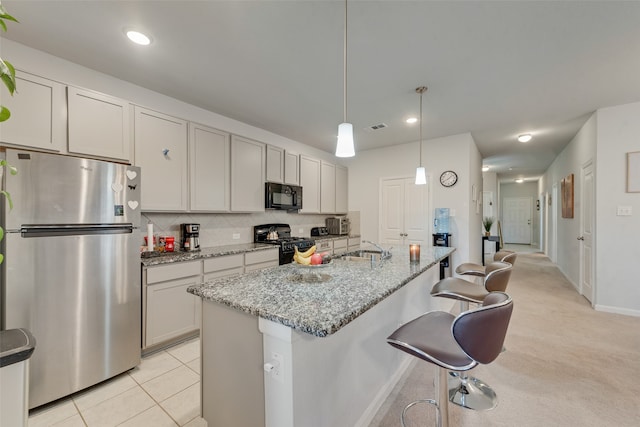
point(487, 222)
point(8, 77)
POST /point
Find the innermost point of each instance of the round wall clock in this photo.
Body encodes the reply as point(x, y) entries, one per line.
point(448, 178)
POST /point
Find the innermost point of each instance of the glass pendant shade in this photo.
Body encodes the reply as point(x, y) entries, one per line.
point(421, 176)
point(345, 147)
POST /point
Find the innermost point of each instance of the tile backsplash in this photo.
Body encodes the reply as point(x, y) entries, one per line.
point(219, 229)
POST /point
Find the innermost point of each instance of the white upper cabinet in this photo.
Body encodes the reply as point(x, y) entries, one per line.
point(98, 124)
point(209, 169)
point(248, 159)
point(275, 164)
point(291, 168)
point(38, 114)
point(161, 152)
point(327, 187)
point(342, 185)
point(310, 182)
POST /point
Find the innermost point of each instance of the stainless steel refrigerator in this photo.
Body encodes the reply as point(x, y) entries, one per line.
point(71, 272)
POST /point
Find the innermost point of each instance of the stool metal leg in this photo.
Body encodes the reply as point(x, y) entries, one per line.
point(441, 402)
point(472, 393)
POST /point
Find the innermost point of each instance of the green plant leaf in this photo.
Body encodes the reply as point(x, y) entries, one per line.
point(1, 258)
point(5, 15)
point(8, 75)
point(4, 113)
point(8, 196)
point(1, 233)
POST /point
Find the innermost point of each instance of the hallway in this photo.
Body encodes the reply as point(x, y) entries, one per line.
point(566, 364)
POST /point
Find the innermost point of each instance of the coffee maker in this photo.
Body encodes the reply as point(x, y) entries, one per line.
point(190, 237)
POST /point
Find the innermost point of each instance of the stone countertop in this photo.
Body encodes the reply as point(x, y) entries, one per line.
point(149, 259)
point(319, 300)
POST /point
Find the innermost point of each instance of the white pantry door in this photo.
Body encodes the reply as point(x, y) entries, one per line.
point(517, 220)
point(404, 212)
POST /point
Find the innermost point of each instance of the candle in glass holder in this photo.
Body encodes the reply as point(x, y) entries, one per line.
point(414, 252)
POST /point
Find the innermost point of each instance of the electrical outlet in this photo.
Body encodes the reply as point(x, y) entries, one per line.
point(278, 367)
point(236, 236)
point(624, 211)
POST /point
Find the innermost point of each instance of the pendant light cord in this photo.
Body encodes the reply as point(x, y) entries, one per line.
point(421, 90)
point(345, 62)
point(421, 127)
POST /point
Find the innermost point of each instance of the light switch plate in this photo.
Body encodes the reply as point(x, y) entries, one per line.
point(624, 211)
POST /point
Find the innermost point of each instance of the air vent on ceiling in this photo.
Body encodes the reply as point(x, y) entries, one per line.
point(378, 126)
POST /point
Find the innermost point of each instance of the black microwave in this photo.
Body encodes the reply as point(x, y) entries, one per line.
point(282, 196)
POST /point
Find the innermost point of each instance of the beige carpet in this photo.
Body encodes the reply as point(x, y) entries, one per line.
point(565, 365)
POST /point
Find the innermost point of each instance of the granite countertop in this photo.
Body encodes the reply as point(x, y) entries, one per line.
point(156, 258)
point(289, 295)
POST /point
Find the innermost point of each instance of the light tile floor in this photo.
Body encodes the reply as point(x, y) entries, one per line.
point(164, 390)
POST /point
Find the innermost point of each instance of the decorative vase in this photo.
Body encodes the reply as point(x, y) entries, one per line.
point(487, 233)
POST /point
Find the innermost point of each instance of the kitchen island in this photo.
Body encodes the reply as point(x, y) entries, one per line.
point(306, 346)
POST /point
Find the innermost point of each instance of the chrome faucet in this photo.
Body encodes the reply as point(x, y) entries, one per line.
point(384, 253)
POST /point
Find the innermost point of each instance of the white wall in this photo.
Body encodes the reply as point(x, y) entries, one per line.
point(605, 138)
point(457, 152)
point(581, 149)
point(618, 237)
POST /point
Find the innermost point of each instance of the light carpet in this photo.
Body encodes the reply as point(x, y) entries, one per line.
point(565, 365)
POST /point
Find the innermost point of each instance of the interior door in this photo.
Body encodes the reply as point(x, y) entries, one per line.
point(404, 212)
point(517, 220)
point(586, 233)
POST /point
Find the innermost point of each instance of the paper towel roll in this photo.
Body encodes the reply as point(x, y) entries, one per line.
point(150, 237)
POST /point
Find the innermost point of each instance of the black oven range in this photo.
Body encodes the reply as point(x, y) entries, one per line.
point(280, 234)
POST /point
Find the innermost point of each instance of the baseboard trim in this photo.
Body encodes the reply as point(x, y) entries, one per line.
point(369, 414)
point(617, 310)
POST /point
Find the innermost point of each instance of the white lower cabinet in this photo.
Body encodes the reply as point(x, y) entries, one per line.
point(324, 246)
point(261, 259)
point(223, 266)
point(170, 310)
point(340, 246)
point(353, 244)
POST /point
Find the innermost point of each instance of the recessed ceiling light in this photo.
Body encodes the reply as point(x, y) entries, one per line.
point(485, 168)
point(412, 120)
point(519, 180)
point(138, 37)
point(524, 137)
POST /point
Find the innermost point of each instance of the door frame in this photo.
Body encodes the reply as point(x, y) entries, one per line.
point(553, 230)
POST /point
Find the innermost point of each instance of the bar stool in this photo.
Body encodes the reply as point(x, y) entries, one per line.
point(456, 343)
point(472, 269)
point(466, 391)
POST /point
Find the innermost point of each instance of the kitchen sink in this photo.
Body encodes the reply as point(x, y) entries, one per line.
point(364, 255)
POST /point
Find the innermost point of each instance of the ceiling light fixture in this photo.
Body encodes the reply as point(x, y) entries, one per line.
point(412, 120)
point(421, 174)
point(524, 137)
point(345, 148)
point(485, 169)
point(519, 180)
point(138, 38)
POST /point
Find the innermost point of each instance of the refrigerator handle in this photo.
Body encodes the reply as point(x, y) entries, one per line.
point(28, 231)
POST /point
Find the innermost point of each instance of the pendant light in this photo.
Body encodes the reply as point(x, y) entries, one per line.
point(344, 148)
point(421, 174)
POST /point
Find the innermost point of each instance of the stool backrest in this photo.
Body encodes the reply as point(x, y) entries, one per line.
point(481, 332)
point(497, 276)
point(505, 256)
